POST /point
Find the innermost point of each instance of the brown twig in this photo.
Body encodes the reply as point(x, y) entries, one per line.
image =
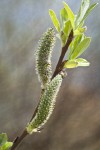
point(59, 66)
point(58, 69)
point(18, 140)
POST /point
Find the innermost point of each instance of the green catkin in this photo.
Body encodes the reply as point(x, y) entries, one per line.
point(43, 57)
point(47, 102)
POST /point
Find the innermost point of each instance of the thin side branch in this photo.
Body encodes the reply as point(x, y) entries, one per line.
point(59, 66)
point(18, 140)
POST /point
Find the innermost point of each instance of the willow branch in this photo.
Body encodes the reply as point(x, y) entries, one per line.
point(18, 140)
point(59, 67)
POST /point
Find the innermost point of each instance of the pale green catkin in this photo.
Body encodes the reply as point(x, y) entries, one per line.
point(47, 102)
point(43, 57)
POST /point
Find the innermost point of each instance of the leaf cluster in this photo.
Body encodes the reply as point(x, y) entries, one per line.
point(71, 22)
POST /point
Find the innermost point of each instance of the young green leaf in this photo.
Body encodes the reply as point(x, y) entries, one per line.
point(88, 11)
point(79, 30)
point(54, 20)
point(71, 15)
point(71, 64)
point(6, 146)
point(83, 45)
point(84, 7)
point(74, 44)
point(63, 16)
point(65, 33)
point(3, 138)
point(67, 28)
point(82, 62)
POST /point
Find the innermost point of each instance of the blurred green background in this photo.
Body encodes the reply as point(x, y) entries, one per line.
point(75, 123)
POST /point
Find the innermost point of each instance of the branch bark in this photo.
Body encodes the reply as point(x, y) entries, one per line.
point(59, 66)
point(18, 140)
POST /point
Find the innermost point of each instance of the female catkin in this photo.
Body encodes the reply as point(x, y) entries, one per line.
point(43, 57)
point(47, 102)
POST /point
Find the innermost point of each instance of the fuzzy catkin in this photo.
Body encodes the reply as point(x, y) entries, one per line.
point(43, 57)
point(46, 106)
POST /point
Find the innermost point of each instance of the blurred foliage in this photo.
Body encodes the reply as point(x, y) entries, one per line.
point(4, 144)
point(75, 124)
